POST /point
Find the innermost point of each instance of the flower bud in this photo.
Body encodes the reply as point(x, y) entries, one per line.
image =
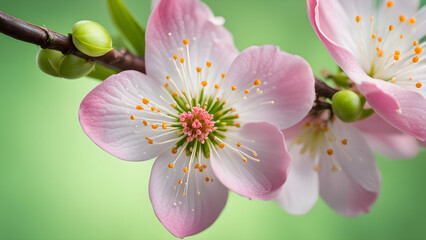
point(56, 64)
point(48, 61)
point(91, 38)
point(73, 67)
point(346, 105)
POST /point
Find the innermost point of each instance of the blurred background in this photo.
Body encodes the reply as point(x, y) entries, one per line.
point(55, 183)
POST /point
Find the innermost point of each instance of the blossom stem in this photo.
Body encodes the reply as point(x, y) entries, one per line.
point(46, 38)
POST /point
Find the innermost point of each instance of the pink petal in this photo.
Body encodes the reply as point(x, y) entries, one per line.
point(342, 193)
point(253, 179)
point(354, 157)
point(285, 79)
point(328, 19)
point(105, 116)
point(403, 109)
point(387, 140)
point(300, 192)
point(185, 216)
point(173, 21)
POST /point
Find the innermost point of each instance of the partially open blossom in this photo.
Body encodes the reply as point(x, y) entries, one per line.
point(332, 159)
point(380, 50)
point(211, 115)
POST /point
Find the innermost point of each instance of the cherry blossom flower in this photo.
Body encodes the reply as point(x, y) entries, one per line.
point(210, 115)
point(331, 159)
point(380, 50)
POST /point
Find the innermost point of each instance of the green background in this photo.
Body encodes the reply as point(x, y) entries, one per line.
point(55, 183)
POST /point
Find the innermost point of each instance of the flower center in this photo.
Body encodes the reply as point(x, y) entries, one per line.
point(197, 124)
point(317, 139)
point(388, 48)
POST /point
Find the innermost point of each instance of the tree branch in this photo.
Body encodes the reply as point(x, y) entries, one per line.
point(323, 90)
point(46, 38)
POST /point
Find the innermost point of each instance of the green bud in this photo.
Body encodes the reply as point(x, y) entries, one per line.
point(56, 64)
point(91, 38)
point(48, 61)
point(347, 105)
point(73, 67)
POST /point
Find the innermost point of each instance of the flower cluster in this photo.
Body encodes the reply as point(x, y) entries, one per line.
point(217, 119)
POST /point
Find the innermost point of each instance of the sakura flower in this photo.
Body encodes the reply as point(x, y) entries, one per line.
point(385, 139)
point(201, 110)
point(332, 159)
point(380, 50)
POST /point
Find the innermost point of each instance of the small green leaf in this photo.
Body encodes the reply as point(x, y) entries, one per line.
point(128, 25)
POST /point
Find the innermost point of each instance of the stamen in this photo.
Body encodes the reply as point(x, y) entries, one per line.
point(389, 4)
point(418, 85)
point(132, 117)
point(402, 18)
point(358, 19)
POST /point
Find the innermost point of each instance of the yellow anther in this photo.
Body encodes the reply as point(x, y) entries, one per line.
point(218, 99)
point(145, 101)
point(418, 85)
point(132, 117)
point(207, 179)
point(172, 105)
point(233, 88)
point(380, 39)
point(238, 125)
point(198, 69)
point(153, 108)
point(182, 60)
point(171, 165)
point(335, 168)
point(415, 43)
point(185, 169)
point(378, 49)
point(373, 36)
point(175, 94)
point(139, 107)
point(402, 18)
point(418, 50)
point(389, 4)
point(397, 52)
point(145, 123)
point(237, 116)
point(197, 166)
point(216, 86)
point(401, 37)
point(183, 194)
point(316, 168)
point(174, 150)
point(393, 80)
point(221, 145)
point(150, 141)
point(180, 182)
point(154, 126)
point(164, 126)
point(185, 42)
point(239, 144)
point(380, 54)
point(371, 19)
point(167, 77)
point(330, 151)
point(244, 159)
point(412, 21)
point(396, 57)
point(256, 82)
point(233, 109)
point(358, 19)
point(246, 91)
point(204, 166)
point(208, 64)
point(204, 83)
point(166, 85)
point(175, 57)
point(255, 154)
point(344, 141)
point(200, 169)
point(415, 59)
point(223, 75)
point(390, 27)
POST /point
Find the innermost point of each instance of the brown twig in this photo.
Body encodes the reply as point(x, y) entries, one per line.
point(46, 38)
